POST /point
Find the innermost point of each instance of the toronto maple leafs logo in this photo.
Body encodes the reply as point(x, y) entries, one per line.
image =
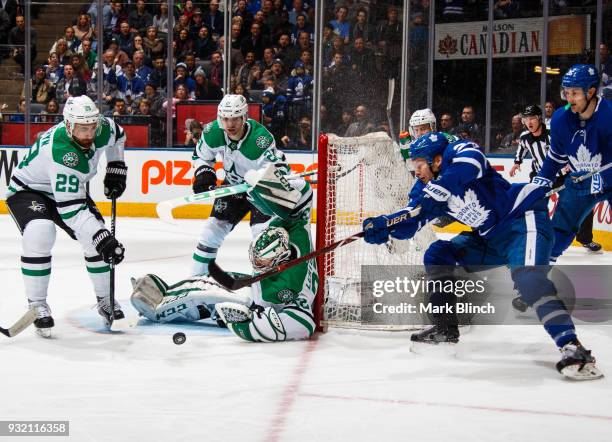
point(37, 207)
point(584, 161)
point(468, 210)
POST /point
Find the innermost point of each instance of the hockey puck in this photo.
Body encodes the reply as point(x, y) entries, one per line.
point(179, 338)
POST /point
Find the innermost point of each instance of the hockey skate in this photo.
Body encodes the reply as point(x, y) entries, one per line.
point(519, 305)
point(104, 310)
point(44, 321)
point(435, 339)
point(593, 248)
point(577, 363)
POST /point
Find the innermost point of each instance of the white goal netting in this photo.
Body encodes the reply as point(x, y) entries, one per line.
point(362, 177)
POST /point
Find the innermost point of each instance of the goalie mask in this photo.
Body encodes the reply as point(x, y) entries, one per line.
point(232, 106)
point(269, 249)
point(419, 118)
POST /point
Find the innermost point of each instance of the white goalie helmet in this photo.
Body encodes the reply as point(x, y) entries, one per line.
point(232, 106)
point(270, 248)
point(420, 117)
point(80, 110)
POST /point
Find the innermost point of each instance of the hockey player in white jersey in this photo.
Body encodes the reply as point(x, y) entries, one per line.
point(243, 145)
point(47, 189)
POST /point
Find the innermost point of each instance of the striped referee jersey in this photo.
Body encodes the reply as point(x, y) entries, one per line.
point(537, 147)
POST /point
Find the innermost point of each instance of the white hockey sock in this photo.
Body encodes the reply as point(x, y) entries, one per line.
point(38, 240)
point(201, 257)
point(99, 273)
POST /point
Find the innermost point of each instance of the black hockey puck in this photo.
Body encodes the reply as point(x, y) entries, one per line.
point(179, 338)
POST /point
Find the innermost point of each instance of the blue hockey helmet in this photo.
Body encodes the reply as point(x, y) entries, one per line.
point(428, 146)
point(584, 76)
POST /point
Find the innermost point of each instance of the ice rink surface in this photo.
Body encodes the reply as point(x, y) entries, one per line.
point(342, 386)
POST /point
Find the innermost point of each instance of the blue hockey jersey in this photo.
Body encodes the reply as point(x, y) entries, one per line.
point(585, 144)
point(472, 192)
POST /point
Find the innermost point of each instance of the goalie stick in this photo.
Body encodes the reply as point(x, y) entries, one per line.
point(24, 322)
point(164, 208)
point(231, 283)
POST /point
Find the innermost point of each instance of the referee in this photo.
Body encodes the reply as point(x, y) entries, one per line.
point(536, 141)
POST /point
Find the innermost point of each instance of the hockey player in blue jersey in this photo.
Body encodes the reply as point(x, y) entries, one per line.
point(510, 227)
point(581, 136)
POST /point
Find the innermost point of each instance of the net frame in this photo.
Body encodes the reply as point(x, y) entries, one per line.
point(359, 177)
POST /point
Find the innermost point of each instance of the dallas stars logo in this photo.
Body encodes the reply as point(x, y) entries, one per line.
point(37, 207)
point(468, 210)
point(71, 159)
point(262, 142)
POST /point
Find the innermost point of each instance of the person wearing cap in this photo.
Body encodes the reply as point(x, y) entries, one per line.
point(204, 89)
point(181, 77)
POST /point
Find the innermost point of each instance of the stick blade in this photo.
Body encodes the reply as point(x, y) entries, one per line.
point(224, 278)
point(164, 211)
point(24, 322)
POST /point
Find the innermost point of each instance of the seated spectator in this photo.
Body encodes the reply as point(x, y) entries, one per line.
point(138, 44)
point(181, 23)
point(204, 45)
point(362, 124)
point(255, 77)
point(266, 62)
point(244, 14)
point(19, 117)
point(160, 20)
point(51, 114)
point(213, 18)
point(306, 60)
point(345, 121)
point(142, 70)
point(125, 38)
point(183, 45)
point(154, 98)
point(215, 70)
point(302, 140)
point(70, 85)
point(130, 86)
point(389, 37)
point(237, 32)
point(93, 13)
point(255, 42)
point(181, 77)
point(140, 19)
point(297, 10)
point(464, 132)
point(81, 69)
point(54, 70)
point(158, 77)
point(111, 70)
point(340, 26)
point(121, 57)
point(260, 19)
point(282, 80)
point(275, 114)
point(283, 27)
point(362, 29)
point(244, 70)
point(188, 10)
point(83, 30)
point(283, 47)
point(468, 119)
point(193, 133)
point(511, 141)
point(204, 89)
point(114, 18)
point(153, 46)
point(447, 123)
point(505, 9)
point(337, 46)
point(180, 94)
point(362, 63)
point(196, 24)
point(60, 47)
point(301, 25)
point(240, 89)
point(42, 90)
point(119, 108)
point(299, 89)
point(190, 63)
point(89, 56)
point(72, 41)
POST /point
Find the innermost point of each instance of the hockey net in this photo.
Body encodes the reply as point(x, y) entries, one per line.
point(358, 178)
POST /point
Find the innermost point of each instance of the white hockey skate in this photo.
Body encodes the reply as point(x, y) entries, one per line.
point(577, 363)
point(44, 321)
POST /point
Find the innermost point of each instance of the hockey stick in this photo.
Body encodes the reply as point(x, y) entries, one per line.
point(231, 283)
point(390, 93)
point(24, 322)
point(579, 179)
point(164, 208)
point(112, 264)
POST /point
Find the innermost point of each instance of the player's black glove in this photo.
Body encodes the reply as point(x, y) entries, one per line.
point(108, 247)
point(205, 179)
point(115, 179)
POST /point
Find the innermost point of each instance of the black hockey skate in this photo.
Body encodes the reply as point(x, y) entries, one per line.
point(44, 321)
point(437, 334)
point(577, 363)
point(519, 305)
point(104, 310)
point(593, 247)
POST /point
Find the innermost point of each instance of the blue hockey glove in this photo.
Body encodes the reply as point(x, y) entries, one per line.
point(375, 229)
point(406, 230)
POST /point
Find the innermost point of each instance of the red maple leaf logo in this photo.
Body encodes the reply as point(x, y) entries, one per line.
point(447, 46)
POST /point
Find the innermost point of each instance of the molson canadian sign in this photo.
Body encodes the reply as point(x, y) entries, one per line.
point(513, 38)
